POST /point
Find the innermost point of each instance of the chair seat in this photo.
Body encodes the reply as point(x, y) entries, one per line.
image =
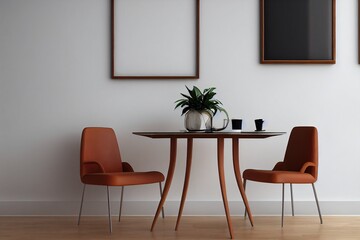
point(123, 178)
point(270, 176)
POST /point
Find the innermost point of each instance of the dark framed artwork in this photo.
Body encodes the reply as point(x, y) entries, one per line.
point(155, 39)
point(298, 31)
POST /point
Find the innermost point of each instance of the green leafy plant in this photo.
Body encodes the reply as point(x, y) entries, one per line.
point(198, 100)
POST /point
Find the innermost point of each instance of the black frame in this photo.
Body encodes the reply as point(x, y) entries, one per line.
point(287, 46)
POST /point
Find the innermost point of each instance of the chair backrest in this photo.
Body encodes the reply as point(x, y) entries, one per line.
point(99, 145)
point(302, 147)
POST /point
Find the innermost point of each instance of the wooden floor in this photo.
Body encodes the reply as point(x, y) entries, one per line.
point(38, 228)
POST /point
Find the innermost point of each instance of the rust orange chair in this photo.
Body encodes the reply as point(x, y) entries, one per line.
point(300, 165)
point(100, 164)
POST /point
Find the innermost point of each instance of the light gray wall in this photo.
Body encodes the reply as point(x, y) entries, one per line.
point(54, 81)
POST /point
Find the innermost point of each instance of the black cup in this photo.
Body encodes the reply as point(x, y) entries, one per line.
point(259, 124)
point(236, 124)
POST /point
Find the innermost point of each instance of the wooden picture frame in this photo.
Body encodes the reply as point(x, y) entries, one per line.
point(298, 31)
point(160, 41)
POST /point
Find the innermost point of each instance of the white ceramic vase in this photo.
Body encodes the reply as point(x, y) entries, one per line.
point(198, 120)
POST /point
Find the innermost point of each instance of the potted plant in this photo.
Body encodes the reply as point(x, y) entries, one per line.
point(199, 108)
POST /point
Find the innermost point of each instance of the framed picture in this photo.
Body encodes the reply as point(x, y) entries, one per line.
point(155, 39)
point(298, 31)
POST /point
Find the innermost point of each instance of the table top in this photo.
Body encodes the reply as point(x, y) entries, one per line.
point(220, 134)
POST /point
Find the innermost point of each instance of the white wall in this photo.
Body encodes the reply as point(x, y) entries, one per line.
point(54, 81)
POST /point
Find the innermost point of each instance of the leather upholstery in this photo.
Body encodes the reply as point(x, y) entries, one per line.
point(123, 178)
point(100, 161)
point(300, 163)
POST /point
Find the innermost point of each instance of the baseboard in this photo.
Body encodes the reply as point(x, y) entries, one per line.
point(195, 208)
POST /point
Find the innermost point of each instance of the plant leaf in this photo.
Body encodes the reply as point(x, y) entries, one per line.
point(197, 92)
point(181, 103)
point(185, 110)
point(186, 96)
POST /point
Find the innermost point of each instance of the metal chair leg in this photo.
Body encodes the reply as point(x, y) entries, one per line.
point(109, 210)
point(121, 201)
point(317, 203)
point(245, 212)
point(81, 205)
point(292, 200)
point(161, 193)
point(282, 202)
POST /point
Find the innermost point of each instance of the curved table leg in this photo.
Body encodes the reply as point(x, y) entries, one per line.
point(170, 174)
point(186, 181)
point(220, 155)
point(235, 148)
